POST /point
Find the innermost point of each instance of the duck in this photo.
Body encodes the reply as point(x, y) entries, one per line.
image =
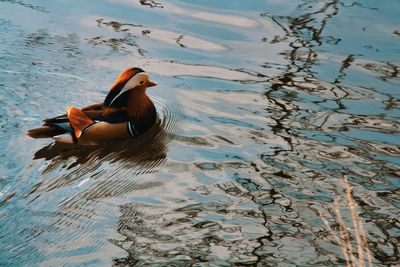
point(126, 112)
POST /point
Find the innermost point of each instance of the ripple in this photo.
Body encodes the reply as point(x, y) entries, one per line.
point(170, 115)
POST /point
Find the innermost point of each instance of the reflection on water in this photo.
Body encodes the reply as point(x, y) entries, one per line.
point(277, 141)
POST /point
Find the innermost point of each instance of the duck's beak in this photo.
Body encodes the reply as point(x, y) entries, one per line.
point(150, 84)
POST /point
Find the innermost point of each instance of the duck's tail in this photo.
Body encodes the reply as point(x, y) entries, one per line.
point(52, 127)
point(45, 132)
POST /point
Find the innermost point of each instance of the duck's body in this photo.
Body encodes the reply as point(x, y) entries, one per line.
point(126, 112)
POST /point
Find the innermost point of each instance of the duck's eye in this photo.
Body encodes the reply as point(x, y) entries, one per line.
point(141, 82)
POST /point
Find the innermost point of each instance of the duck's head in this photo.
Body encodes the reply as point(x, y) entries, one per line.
point(132, 80)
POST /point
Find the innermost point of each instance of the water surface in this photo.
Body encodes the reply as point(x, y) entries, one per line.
point(275, 118)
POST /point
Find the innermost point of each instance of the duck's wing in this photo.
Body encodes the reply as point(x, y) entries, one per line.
point(81, 119)
point(106, 114)
point(75, 121)
point(95, 112)
point(97, 126)
point(64, 118)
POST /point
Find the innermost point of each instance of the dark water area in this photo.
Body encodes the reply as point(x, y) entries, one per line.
point(278, 141)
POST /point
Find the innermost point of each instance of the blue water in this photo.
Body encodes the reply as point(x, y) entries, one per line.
point(267, 108)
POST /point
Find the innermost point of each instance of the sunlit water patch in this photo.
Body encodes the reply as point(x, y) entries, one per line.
point(277, 140)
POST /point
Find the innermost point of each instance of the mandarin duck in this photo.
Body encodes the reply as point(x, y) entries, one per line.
point(126, 112)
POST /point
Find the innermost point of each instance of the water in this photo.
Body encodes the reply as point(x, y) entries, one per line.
point(279, 125)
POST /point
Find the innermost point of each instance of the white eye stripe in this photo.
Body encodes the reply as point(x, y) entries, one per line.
point(134, 81)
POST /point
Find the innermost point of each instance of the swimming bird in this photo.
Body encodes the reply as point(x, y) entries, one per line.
point(126, 112)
